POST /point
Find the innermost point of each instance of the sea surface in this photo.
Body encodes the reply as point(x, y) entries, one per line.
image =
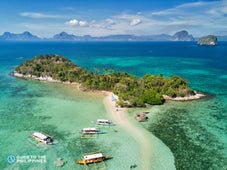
point(195, 132)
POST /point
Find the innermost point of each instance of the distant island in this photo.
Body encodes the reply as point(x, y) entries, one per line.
point(131, 91)
point(209, 40)
point(63, 36)
point(182, 36)
point(25, 36)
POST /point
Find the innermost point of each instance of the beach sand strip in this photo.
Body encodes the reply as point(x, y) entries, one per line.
point(141, 135)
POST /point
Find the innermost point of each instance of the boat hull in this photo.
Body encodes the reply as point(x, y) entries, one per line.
point(91, 161)
point(47, 142)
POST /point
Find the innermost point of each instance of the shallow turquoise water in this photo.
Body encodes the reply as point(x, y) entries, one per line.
point(195, 131)
point(61, 111)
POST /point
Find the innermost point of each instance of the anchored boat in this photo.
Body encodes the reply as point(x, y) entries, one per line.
point(90, 131)
point(104, 122)
point(93, 158)
point(42, 137)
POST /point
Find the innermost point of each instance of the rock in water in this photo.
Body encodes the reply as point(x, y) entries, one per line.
point(59, 162)
point(209, 40)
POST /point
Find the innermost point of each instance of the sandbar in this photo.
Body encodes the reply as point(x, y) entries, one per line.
point(119, 116)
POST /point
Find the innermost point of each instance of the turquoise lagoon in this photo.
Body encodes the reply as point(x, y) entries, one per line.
point(193, 132)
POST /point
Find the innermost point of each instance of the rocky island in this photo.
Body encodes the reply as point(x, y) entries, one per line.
point(131, 90)
point(182, 36)
point(210, 40)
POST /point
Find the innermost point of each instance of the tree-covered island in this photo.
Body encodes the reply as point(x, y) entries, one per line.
point(209, 40)
point(131, 90)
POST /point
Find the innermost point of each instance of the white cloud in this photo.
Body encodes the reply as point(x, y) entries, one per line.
point(75, 22)
point(38, 15)
point(109, 21)
point(199, 18)
point(135, 22)
point(218, 11)
point(72, 22)
point(106, 24)
point(83, 23)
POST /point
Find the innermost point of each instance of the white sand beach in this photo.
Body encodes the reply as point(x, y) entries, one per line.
point(154, 154)
point(120, 118)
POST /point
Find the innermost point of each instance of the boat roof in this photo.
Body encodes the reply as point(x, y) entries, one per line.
point(102, 120)
point(89, 129)
point(39, 135)
point(93, 156)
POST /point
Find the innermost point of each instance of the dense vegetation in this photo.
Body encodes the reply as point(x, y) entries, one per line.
point(208, 40)
point(132, 91)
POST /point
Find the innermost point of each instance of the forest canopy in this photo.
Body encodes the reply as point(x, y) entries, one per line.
point(131, 90)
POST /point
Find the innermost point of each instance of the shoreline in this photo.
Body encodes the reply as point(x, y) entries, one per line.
point(79, 86)
point(45, 79)
point(119, 116)
point(41, 78)
point(186, 98)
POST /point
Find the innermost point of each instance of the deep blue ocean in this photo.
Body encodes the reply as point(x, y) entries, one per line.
point(195, 131)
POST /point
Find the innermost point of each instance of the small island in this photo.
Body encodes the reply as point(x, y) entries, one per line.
point(182, 36)
point(131, 90)
point(210, 40)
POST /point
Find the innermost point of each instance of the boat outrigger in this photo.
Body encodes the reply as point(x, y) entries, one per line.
point(42, 137)
point(93, 158)
point(104, 122)
point(90, 131)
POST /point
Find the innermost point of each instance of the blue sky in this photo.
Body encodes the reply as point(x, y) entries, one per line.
point(107, 17)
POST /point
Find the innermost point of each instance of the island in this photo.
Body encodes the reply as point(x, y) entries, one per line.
point(64, 36)
point(209, 40)
point(182, 36)
point(130, 90)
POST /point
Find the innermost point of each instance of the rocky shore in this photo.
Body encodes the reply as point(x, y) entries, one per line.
point(51, 80)
point(41, 78)
point(186, 98)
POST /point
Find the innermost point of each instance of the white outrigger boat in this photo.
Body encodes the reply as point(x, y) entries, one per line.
point(104, 122)
point(93, 158)
point(42, 137)
point(90, 131)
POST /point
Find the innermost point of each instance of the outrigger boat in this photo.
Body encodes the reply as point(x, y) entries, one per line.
point(104, 122)
point(42, 137)
point(90, 131)
point(93, 158)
